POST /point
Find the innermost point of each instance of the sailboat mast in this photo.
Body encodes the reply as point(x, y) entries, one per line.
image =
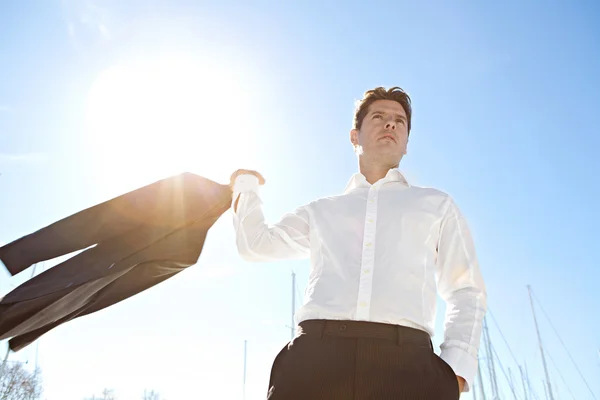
point(511, 383)
point(490, 359)
point(292, 327)
point(523, 381)
point(480, 381)
point(245, 353)
point(537, 329)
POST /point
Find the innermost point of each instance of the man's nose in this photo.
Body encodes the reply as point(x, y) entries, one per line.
point(391, 125)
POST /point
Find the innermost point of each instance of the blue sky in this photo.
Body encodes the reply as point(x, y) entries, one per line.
point(99, 98)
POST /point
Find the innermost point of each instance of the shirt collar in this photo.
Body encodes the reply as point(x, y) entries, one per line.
point(358, 180)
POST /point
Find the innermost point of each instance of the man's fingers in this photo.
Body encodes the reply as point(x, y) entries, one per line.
point(261, 179)
point(239, 172)
point(461, 383)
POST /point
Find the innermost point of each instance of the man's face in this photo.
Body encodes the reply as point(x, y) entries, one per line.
point(383, 135)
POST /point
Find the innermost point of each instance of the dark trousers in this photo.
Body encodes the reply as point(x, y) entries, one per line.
point(355, 360)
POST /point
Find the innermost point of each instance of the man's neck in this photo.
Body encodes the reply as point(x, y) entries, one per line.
point(374, 172)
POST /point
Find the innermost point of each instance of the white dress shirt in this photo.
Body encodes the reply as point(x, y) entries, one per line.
point(378, 253)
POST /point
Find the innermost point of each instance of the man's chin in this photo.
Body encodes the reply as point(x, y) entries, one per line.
point(386, 158)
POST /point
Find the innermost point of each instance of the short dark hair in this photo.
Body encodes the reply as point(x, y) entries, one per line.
point(395, 93)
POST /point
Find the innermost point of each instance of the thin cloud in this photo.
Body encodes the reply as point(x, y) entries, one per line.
point(71, 29)
point(85, 18)
point(22, 157)
point(4, 108)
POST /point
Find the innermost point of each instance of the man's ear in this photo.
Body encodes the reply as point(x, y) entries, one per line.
point(354, 137)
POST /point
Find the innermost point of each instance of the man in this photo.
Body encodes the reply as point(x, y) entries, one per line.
point(379, 254)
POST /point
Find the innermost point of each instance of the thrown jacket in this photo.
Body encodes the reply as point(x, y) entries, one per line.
point(127, 245)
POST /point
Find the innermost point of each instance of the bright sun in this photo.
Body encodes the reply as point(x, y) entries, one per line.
point(152, 120)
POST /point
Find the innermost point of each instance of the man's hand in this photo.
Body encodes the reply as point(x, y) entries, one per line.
point(461, 383)
point(261, 180)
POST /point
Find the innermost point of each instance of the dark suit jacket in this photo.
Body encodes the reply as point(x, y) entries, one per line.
point(129, 243)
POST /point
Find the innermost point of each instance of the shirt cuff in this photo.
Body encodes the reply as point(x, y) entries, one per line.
point(243, 184)
point(462, 363)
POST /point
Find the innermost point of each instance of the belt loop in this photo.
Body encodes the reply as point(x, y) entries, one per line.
point(398, 335)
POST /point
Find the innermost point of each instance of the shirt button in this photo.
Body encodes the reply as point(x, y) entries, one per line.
point(363, 304)
point(368, 244)
point(370, 221)
point(367, 271)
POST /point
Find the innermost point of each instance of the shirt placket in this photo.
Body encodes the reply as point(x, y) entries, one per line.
point(363, 306)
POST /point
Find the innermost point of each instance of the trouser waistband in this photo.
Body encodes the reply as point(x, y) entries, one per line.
point(403, 335)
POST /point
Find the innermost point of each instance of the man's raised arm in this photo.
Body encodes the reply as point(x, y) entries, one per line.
point(257, 241)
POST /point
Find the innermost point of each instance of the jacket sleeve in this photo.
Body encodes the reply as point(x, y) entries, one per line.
point(257, 241)
point(461, 285)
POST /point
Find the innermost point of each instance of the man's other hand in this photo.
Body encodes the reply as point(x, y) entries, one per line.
point(461, 383)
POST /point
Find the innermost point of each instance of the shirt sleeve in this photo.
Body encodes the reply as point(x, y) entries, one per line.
point(461, 285)
point(257, 241)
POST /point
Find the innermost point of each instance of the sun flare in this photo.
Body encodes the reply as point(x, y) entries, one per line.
point(152, 120)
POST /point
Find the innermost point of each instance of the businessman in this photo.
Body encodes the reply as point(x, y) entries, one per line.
point(379, 253)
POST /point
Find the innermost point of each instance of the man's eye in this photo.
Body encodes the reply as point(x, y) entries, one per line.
point(377, 116)
point(400, 121)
